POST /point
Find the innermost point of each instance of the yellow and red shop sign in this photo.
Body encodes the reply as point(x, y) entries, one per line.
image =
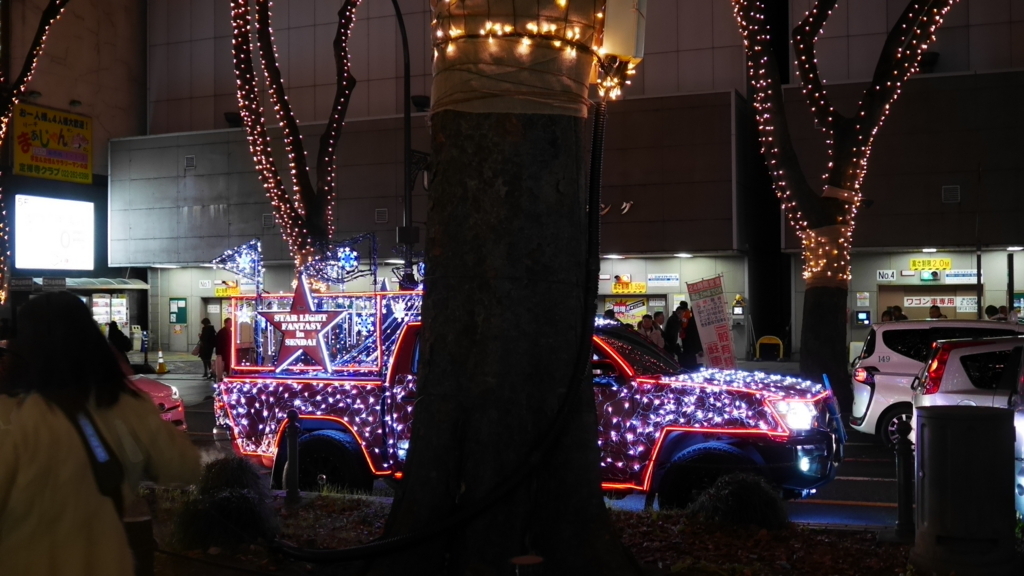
point(226, 291)
point(628, 310)
point(629, 288)
point(52, 144)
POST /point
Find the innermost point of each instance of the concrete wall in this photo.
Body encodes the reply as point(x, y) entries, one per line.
point(692, 46)
point(960, 130)
point(192, 80)
point(672, 158)
point(96, 54)
point(976, 35)
point(164, 213)
point(865, 266)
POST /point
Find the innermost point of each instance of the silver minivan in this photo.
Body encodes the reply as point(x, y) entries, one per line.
point(893, 355)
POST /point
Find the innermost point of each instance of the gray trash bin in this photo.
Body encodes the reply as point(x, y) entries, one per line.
point(965, 487)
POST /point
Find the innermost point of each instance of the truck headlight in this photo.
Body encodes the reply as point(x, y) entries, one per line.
point(797, 415)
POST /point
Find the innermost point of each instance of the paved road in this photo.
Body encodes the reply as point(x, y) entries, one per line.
point(863, 494)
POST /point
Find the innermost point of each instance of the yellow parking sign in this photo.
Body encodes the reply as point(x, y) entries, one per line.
point(931, 264)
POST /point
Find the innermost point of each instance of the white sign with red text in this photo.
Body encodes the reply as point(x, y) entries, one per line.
point(707, 300)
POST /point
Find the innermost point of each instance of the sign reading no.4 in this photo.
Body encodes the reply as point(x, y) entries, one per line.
point(886, 275)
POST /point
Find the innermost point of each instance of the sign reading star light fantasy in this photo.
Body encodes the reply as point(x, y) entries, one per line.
point(302, 329)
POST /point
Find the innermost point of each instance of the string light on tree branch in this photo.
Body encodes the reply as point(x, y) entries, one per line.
point(825, 221)
point(306, 211)
point(12, 94)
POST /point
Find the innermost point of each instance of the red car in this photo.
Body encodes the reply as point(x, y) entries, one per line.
point(166, 398)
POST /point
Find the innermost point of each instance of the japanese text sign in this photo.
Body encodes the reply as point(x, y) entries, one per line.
point(931, 264)
point(928, 301)
point(707, 300)
point(629, 288)
point(52, 144)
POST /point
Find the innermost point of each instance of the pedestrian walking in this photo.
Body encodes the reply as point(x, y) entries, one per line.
point(648, 330)
point(886, 316)
point(223, 349)
point(207, 344)
point(74, 447)
point(897, 314)
point(935, 313)
point(119, 340)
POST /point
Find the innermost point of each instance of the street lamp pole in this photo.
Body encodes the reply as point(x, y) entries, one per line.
point(408, 235)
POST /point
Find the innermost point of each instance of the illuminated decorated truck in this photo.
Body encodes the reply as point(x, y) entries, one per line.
point(347, 363)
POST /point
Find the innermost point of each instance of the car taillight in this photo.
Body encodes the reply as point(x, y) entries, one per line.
point(933, 376)
point(864, 376)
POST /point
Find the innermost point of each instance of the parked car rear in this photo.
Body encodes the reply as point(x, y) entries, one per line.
point(893, 355)
point(1017, 404)
point(976, 372)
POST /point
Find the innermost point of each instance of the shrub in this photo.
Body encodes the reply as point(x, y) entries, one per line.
point(231, 473)
point(230, 507)
point(740, 499)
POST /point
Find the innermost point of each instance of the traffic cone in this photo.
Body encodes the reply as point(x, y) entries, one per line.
point(161, 367)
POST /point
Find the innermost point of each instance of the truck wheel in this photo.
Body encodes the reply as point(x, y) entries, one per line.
point(889, 420)
point(335, 458)
point(695, 469)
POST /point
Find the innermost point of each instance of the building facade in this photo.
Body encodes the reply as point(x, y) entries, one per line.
point(89, 86)
point(685, 187)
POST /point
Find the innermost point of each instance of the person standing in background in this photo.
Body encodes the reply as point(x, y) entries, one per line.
point(223, 349)
point(673, 332)
point(207, 344)
point(118, 339)
point(690, 346)
point(659, 322)
point(648, 330)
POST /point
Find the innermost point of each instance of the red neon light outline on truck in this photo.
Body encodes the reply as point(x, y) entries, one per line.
point(656, 424)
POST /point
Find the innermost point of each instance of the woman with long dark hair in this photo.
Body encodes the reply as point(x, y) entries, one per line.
point(76, 439)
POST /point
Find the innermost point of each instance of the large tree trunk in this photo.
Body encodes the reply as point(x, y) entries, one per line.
point(823, 340)
point(502, 324)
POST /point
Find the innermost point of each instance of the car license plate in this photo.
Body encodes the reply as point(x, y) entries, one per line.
point(166, 416)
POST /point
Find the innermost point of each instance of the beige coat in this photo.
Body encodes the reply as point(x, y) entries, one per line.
point(53, 520)
point(654, 335)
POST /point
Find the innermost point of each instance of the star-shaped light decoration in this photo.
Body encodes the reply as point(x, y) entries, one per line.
point(302, 328)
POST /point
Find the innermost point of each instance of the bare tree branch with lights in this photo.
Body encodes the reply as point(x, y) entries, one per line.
point(11, 92)
point(304, 208)
point(824, 218)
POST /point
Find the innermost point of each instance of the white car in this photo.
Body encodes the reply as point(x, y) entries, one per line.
point(980, 372)
point(893, 355)
point(977, 372)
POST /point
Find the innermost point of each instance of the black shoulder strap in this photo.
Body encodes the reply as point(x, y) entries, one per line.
point(106, 467)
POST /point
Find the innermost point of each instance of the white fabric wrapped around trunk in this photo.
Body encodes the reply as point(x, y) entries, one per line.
point(482, 75)
point(549, 72)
